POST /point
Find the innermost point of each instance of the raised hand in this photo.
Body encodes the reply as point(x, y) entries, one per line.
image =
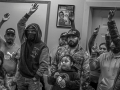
point(59, 79)
point(108, 34)
point(62, 83)
point(111, 14)
point(94, 48)
point(97, 29)
point(6, 17)
point(33, 8)
point(70, 17)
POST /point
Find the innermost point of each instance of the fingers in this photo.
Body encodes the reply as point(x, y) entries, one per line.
point(7, 15)
point(35, 6)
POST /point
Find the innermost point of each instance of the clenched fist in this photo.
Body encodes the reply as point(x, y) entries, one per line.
point(6, 17)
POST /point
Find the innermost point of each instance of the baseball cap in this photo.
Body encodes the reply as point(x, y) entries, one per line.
point(64, 34)
point(10, 30)
point(74, 33)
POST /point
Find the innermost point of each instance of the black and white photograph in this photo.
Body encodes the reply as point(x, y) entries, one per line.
point(63, 14)
point(59, 44)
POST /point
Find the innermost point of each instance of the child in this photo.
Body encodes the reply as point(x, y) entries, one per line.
point(66, 78)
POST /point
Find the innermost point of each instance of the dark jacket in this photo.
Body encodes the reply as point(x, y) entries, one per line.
point(116, 40)
point(71, 78)
point(91, 41)
point(35, 55)
point(108, 42)
point(115, 37)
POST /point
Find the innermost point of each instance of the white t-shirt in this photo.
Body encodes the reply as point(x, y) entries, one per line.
point(8, 65)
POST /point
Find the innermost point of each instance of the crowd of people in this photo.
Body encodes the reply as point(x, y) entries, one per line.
point(68, 67)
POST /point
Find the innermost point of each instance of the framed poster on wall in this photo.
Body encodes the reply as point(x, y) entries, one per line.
point(63, 14)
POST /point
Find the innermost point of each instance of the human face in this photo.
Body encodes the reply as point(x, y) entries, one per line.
point(102, 49)
point(61, 15)
point(62, 41)
point(66, 63)
point(73, 41)
point(114, 49)
point(31, 33)
point(10, 38)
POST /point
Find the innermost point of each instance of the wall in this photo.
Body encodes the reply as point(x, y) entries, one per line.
point(100, 18)
point(17, 11)
point(87, 15)
point(53, 31)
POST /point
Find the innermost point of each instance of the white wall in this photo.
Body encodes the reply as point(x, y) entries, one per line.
point(86, 16)
point(53, 31)
point(100, 18)
point(17, 11)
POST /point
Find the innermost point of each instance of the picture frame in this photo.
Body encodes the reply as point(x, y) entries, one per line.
point(63, 14)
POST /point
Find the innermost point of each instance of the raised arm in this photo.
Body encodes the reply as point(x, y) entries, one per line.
point(108, 41)
point(22, 23)
point(4, 19)
point(72, 22)
point(92, 39)
point(115, 37)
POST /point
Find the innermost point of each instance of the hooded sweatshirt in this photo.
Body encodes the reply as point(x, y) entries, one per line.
point(30, 51)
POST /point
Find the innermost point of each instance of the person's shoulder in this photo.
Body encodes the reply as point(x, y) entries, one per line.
point(17, 46)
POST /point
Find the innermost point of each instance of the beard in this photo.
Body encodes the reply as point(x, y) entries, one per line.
point(115, 50)
point(10, 41)
point(31, 37)
point(72, 44)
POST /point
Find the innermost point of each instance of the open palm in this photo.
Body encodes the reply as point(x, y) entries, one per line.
point(33, 8)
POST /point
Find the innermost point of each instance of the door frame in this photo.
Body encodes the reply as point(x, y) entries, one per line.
point(87, 17)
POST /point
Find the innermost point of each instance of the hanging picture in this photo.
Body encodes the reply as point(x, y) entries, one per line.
point(63, 14)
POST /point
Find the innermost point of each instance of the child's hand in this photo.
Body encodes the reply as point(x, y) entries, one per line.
point(56, 74)
point(59, 79)
point(62, 83)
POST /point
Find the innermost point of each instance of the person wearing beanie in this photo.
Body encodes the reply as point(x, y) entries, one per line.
point(34, 58)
